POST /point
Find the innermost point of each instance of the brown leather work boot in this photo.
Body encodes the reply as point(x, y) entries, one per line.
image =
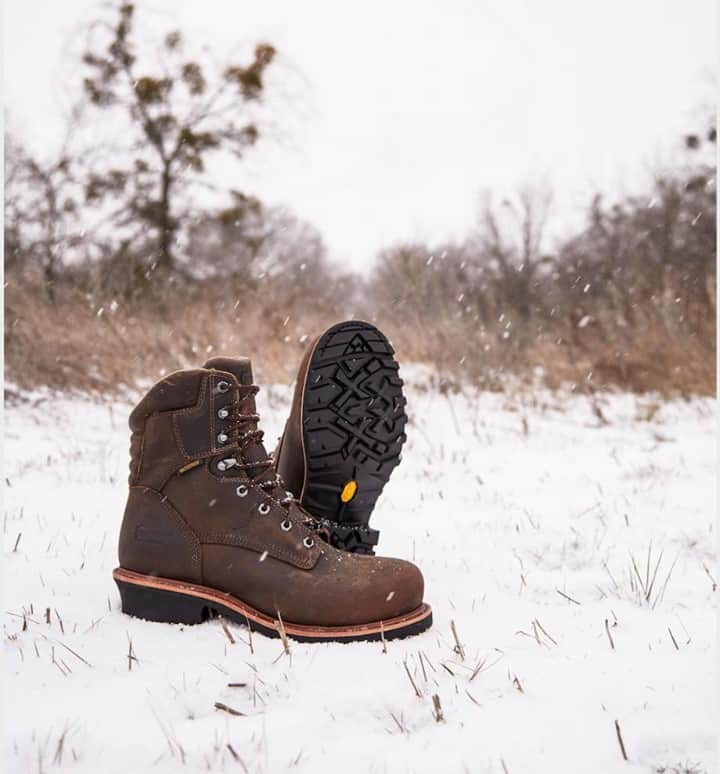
point(345, 431)
point(209, 529)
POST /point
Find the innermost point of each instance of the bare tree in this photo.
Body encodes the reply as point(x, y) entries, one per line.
point(41, 207)
point(178, 118)
point(512, 236)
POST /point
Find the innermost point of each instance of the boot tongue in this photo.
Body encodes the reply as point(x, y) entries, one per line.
point(241, 369)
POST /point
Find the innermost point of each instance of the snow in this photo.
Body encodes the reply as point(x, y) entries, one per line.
point(524, 512)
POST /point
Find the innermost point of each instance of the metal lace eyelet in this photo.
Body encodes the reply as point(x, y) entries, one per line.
point(223, 413)
point(308, 542)
point(226, 464)
point(222, 438)
point(223, 386)
point(286, 525)
point(264, 508)
point(242, 490)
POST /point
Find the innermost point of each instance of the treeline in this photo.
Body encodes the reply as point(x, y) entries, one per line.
point(629, 300)
point(123, 260)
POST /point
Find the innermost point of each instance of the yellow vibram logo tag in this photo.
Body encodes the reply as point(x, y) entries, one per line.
point(348, 491)
point(189, 466)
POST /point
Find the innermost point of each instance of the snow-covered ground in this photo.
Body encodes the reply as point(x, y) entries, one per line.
point(526, 517)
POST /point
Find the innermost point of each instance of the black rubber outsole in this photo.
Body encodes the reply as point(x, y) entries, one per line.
point(167, 606)
point(353, 421)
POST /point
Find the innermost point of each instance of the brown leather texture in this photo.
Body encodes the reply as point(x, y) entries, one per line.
point(156, 540)
point(342, 589)
point(187, 519)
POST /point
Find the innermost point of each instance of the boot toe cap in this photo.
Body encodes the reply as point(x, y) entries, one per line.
point(364, 589)
point(402, 586)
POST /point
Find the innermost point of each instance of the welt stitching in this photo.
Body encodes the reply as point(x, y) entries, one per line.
point(183, 412)
point(273, 549)
point(138, 465)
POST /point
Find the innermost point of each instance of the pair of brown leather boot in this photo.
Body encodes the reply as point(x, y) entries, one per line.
point(216, 526)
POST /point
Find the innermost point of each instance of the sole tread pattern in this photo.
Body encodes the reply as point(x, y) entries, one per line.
point(353, 428)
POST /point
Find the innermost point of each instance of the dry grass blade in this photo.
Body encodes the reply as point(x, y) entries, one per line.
point(643, 583)
point(610, 637)
point(569, 599)
point(544, 631)
point(437, 709)
point(250, 642)
point(172, 743)
point(710, 575)
point(535, 633)
point(458, 645)
point(236, 757)
point(618, 733)
point(478, 669)
point(615, 584)
point(77, 655)
point(57, 759)
point(227, 631)
point(422, 665)
point(131, 654)
point(230, 711)
point(399, 724)
point(661, 594)
point(483, 666)
point(412, 682)
point(283, 635)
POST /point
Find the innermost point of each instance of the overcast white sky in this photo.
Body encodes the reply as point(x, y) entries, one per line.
point(405, 110)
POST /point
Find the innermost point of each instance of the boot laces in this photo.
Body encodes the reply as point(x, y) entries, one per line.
point(257, 469)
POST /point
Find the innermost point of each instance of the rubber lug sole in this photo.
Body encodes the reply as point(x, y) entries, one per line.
point(170, 601)
point(353, 428)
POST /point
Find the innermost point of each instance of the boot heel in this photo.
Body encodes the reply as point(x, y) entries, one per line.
point(162, 606)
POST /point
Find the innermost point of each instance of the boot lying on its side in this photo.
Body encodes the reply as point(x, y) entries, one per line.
point(208, 528)
point(345, 431)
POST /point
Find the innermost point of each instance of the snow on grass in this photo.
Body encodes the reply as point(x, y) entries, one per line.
point(567, 552)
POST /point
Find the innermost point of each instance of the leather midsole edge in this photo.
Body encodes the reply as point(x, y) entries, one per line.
point(235, 604)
